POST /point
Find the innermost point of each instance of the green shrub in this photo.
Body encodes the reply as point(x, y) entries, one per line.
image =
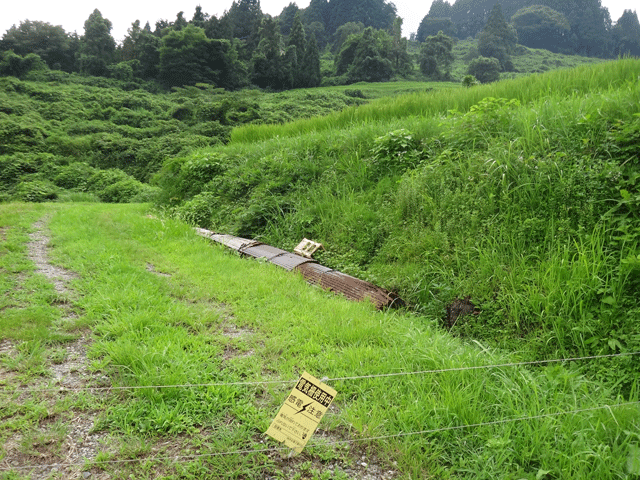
point(20, 135)
point(36, 191)
point(17, 66)
point(486, 70)
point(356, 93)
point(74, 176)
point(146, 194)
point(212, 129)
point(395, 152)
point(122, 191)
point(469, 81)
point(101, 179)
point(198, 210)
point(182, 178)
point(14, 167)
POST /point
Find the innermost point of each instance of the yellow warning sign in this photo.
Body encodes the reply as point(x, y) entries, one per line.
point(301, 413)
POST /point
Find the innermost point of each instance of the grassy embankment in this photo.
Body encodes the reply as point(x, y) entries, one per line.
point(522, 195)
point(526, 61)
point(174, 329)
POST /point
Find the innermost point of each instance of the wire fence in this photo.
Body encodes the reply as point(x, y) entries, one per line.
point(180, 458)
point(177, 458)
point(325, 379)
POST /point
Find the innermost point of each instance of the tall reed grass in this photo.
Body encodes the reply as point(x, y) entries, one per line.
point(593, 78)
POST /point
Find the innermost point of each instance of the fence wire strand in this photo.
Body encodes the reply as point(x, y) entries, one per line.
point(320, 444)
point(62, 388)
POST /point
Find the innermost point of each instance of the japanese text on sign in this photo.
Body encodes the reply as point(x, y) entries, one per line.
point(301, 412)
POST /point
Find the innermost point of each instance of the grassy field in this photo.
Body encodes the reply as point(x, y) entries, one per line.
point(526, 61)
point(158, 306)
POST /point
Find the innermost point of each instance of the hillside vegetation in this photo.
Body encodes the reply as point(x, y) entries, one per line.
point(507, 216)
point(67, 136)
point(521, 197)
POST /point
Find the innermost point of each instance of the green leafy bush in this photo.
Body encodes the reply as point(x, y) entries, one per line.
point(123, 191)
point(199, 210)
point(74, 176)
point(486, 70)
point(212, 129)
point(19, 135)
point(469, 81)
point(36, 191)
point(395, 152)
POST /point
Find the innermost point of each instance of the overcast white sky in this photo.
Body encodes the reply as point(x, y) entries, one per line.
point(72, 14)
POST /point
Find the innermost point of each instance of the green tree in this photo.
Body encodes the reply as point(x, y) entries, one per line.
point(367, 57)
point(400, 59)
point(14, 65)
point(484, 69)
point(470, 16)
point(188, 57)
point(440, 9)
point(316, 12)
point(297, 34)
point(539, 26)
point(371, 13)
point(345, 31)
point(347, 54)
point(626, 34)
point(97, 46)
point(245, 17)
point(371, 58)
point(498, 38)
point(51, 43)
point(148, 53)
point(590, 26)
point(130, 41)
point(432, 25)
point(268, 63)
point(200, 18)
point(219, 28)
point(310, 67)
point(436, 56)
point(143, 46)
point(286, 18)
point(297, 39)
point(180, 22)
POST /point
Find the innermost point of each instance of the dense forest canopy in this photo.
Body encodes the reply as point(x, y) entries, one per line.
point(245, 47)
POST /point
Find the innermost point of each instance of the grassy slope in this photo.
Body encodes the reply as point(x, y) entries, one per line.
point(526, 61)
point(168, 330)
point(509, 193)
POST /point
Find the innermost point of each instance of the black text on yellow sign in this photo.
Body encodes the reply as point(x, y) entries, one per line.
point(301, 413)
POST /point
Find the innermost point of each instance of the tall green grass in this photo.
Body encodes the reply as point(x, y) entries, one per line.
point(580, 80)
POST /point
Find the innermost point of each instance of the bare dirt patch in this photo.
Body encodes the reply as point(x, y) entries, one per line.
point(151, 268)
point(38, 254)
point(458, 309)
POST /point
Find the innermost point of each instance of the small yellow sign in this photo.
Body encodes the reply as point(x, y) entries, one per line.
point(301, 413)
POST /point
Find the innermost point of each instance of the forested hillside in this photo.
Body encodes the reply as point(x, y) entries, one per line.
point(338, 42)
